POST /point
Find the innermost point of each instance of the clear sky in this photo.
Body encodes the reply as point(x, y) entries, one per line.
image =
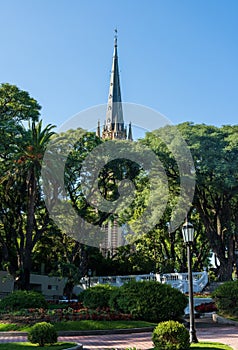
point(179, 57)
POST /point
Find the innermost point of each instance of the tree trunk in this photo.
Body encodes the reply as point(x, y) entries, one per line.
point(225, 269)
point(24, 280)
point(219, 242)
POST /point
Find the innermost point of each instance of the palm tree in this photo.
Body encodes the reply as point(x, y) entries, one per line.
point(33, 153)
point(22, 183)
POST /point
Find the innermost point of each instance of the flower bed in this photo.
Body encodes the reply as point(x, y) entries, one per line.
point(206, 307)
point(73, 312)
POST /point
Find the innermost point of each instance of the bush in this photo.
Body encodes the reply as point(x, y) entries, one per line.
point(42, 333)
point(97, 296)
point(171, 335)
point(23, 299)
point(226, 298)
point(149, 301)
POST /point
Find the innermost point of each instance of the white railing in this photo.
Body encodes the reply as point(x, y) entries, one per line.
point(176, 280)
point(180, 280)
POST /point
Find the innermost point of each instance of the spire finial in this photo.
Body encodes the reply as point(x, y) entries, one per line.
point(115, 37)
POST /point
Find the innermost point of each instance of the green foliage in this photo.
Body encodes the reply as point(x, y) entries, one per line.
point(214, 151)
point(210, 346)
point(17, 104)
point(226, 298)
point(23, 299)
point(42, 333)
point(149, 301)
point(212, 276)
point(171, 335)
point(97, 296)
point(82, 325)
point(20, 177)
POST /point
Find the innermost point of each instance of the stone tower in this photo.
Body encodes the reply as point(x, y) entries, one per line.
point(114, 127)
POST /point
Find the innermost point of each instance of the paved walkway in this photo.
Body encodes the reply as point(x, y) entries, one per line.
point(206, 331)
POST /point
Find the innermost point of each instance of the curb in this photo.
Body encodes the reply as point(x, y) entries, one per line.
point(13, 334)
point(222, 320)
point(105, 331)
point(77, 347)
point(82, 333)
point(19, 334)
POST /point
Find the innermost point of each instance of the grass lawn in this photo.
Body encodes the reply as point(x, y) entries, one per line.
point(209, 346)
point(232, 318)
point(81, 325)
point(29, 346)
point(59, 346)
point(96, 325)
point(91, 325)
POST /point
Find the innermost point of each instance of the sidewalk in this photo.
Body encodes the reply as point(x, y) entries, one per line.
point(206, 331)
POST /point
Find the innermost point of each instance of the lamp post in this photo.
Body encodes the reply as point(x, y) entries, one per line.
point(188, 235)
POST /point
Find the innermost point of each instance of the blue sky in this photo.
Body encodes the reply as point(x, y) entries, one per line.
point(179, 57)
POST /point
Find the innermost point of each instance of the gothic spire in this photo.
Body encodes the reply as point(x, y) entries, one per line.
point(114, 106)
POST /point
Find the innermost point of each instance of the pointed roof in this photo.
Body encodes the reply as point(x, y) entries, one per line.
point(130, 137)
point(98, 129)
point(114, 106)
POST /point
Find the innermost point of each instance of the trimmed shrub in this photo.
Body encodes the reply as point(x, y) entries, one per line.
point(80, 296)
point(226, 298)
point(97, 296)
point(171, 335)
point(23, 299)
point(150, 301)
point(42, 333)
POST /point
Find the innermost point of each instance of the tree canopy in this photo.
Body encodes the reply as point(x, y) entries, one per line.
point(150, 202)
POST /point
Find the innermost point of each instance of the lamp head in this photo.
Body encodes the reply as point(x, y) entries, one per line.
point(188, 232)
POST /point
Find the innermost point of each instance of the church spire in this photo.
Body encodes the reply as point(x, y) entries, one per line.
point(114, 113)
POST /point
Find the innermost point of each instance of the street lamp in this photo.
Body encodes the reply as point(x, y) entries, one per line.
point(188, 235)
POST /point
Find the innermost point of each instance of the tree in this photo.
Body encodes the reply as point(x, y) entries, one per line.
point(215, 154)
point(16, 107)
point(213, 210)
point(23, 215)
point(37, 218)
point(161, 248)
point(65, 156)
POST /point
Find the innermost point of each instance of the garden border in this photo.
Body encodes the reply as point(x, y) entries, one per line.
point(86, 332)
point(77, 347)
point(222, 320)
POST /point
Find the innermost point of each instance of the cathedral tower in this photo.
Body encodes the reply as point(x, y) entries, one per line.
point(114, 127)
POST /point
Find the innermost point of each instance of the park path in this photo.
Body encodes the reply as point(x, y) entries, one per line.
point(206, 331)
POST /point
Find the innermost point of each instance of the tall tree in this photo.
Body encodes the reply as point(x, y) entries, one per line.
point(162, 245)
point(22, 213)
point(37, 218)
point(215, 153)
